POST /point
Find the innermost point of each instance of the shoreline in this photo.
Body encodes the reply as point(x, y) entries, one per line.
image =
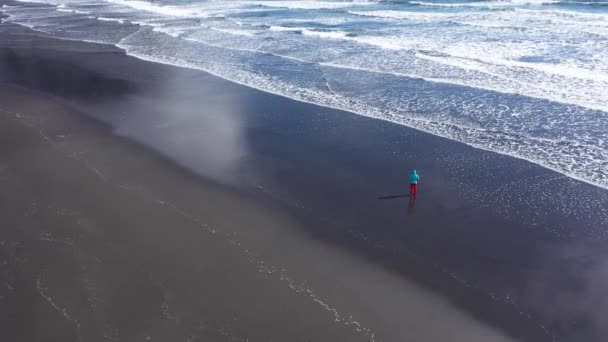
point(288, 181)
point(400, 123)
point(409, 122)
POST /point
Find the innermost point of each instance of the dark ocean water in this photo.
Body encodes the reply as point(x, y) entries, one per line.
point(526, 78)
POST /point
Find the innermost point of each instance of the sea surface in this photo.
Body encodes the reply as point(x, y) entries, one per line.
point(527, 78)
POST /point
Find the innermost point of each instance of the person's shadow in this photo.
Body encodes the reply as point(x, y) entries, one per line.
point(411, 205)
point(393, 197)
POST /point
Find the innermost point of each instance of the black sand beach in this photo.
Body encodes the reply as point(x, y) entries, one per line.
point(147, 202)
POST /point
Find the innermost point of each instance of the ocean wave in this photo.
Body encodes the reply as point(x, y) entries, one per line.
point(504, 3)
point(202, 11)
point(64, 8)
point(176, 11)
point(309, 5)
point(585, 3)
point(324, 34)
point(120, 21)
point(237, 32)
point(400, 14)
point(507, 3)
point(551, 153)
point(285, 29)
point(327, 34)
point(546, 58)
point(325, 21)
point(47, 2)
point(579, 15)
point(517, 19)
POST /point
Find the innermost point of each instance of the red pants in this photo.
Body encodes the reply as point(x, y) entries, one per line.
point(413, 189)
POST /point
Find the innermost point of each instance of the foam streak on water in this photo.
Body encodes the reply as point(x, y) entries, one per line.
point(526, 78)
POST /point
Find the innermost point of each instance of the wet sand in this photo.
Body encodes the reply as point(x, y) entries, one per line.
point(266, 219)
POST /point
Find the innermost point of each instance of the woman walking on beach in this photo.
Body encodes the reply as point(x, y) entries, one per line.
point(414, 183)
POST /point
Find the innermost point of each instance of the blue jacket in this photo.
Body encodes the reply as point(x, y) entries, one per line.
point(414, 177)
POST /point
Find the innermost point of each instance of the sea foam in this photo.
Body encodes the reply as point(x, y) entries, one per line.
point(523, 78)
